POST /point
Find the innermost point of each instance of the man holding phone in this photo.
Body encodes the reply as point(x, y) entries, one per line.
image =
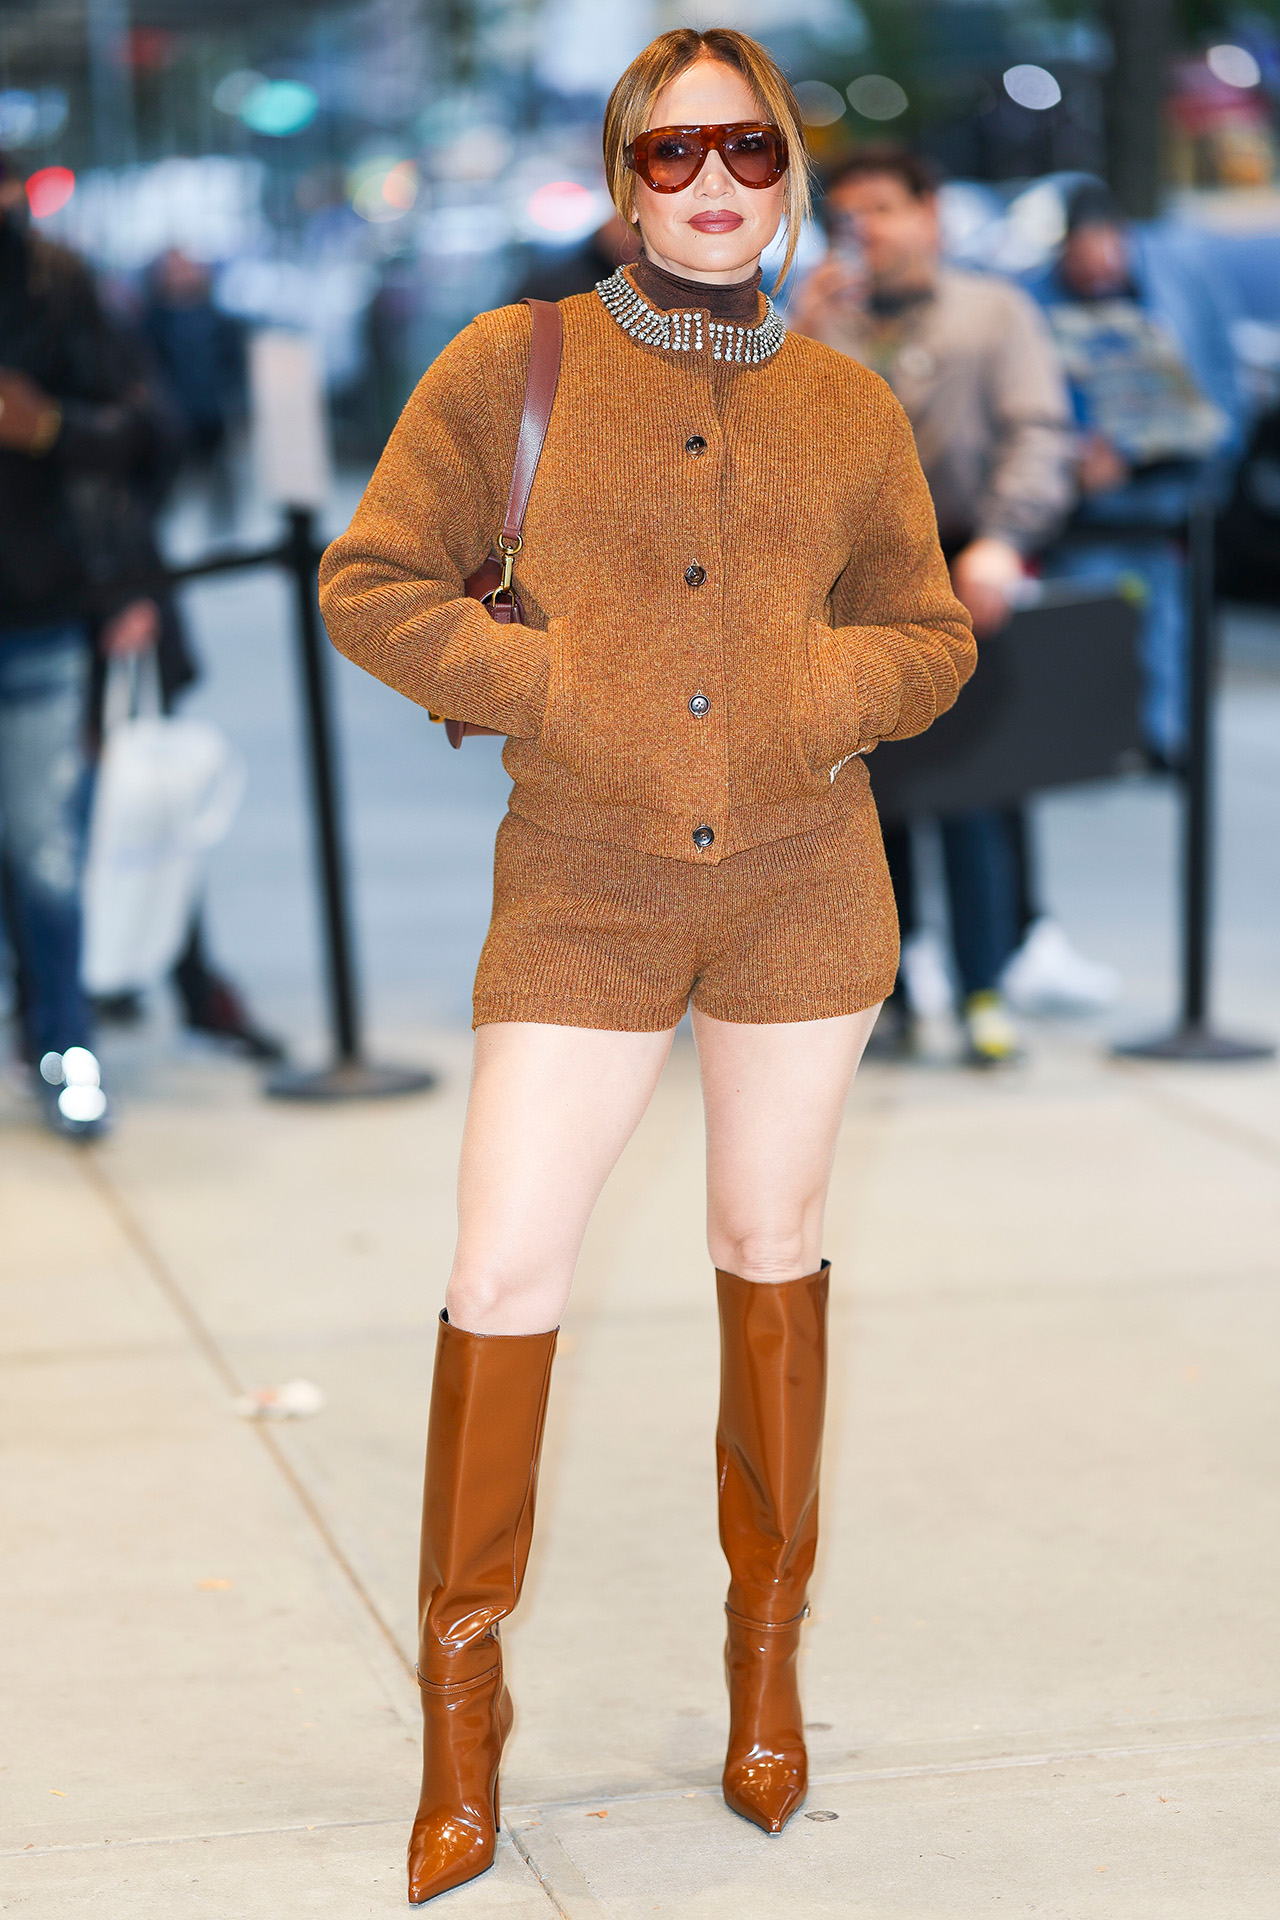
point(972, 361)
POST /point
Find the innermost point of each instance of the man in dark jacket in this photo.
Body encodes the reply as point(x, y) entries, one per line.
point(69, 411)
point(199, 350)
point(118, 531)
point(611, 246)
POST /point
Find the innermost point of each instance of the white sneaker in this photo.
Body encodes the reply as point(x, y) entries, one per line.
point(925, 977)
point(71, 1096)
point(1047, 975)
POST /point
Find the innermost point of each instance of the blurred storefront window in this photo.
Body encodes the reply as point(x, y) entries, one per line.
point(378, 171)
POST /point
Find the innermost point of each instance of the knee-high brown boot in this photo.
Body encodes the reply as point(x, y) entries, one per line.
point(484, 1436)
point(773, 1366)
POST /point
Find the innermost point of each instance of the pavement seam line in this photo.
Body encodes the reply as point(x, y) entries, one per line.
point(1219, 1126)
point(930, 1769)
point(187, 1839)
point(998, 1762)
point(927, 1770)
point(167, 1284)
point(582, 1909)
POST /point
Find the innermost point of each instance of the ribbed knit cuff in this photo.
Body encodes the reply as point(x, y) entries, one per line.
point(501, 682)
point(857, 684)
point(536, 665)
point(879, 692)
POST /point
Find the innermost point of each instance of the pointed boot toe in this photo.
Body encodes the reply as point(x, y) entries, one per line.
point(446, 1850)
point(766, 1788)
point(766, 1769)
point(455, 1833)
point(768, 1447)
point(488, 1401)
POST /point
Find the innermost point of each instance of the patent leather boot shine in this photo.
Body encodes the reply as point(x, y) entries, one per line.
point(484, 1438)
point(773, 1365)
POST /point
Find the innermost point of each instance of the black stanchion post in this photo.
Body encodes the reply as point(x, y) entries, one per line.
point(1197, 849)
point(350, 1076)
point(1194, 1038)
point(344, 1012)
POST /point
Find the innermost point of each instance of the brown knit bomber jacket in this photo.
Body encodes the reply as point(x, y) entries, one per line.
point(760, 536)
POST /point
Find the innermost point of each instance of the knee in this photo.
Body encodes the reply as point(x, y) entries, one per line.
point(493, 1297)
point(764, 1254)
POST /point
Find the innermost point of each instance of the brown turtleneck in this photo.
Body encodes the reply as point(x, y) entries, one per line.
point(739, 302)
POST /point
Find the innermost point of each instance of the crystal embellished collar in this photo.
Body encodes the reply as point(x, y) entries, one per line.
point(681, 331)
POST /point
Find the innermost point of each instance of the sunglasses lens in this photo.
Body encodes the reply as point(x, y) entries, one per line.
point(753, 156)
point(673, 159)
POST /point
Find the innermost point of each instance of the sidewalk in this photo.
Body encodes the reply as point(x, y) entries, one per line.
point(1042, 1672)
point(1042, 1668)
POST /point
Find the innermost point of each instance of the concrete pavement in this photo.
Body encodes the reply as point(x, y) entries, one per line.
point(1042, 1666)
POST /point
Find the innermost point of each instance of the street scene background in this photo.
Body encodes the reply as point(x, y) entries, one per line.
point(1041, 1668)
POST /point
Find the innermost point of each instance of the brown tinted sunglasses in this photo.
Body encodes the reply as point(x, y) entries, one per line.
point(670, 158)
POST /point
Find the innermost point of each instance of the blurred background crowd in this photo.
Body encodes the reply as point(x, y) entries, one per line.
point(379, 172)
point(1054, 225)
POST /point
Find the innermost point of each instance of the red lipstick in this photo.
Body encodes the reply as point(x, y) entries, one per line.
point(721, 222)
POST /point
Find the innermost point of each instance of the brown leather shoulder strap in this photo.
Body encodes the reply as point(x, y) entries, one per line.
point(539, 398)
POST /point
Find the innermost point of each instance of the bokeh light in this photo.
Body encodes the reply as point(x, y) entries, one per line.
point(82, 1104)
point(31, 119)
point(563, 207)
point(820, 105)
point(1234, 66)
point(18, 116)
point(384, 188)
point(876, 97)
point(80, 1068)
point(235, 88)
point(77, 1072)
point(279, 108)
point(49, 191)
point(1033, 87)
point(400, 188)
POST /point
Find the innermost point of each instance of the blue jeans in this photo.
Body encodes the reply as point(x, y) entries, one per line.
point(981, 860)
point(1163, 641)
point(44, 801)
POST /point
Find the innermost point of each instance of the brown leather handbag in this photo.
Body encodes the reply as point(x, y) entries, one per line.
point(491, 583)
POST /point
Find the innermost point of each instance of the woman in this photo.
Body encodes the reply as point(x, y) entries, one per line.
point(733, 587)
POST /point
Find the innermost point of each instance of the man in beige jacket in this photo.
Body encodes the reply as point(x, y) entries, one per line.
point(971, 360)
point(967, 354)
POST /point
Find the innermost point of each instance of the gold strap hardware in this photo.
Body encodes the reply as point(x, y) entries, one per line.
point(508, 548)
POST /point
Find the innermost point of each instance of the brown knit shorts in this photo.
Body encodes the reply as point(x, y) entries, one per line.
point(585, 935)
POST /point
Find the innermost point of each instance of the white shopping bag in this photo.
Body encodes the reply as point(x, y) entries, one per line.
point(167, 791)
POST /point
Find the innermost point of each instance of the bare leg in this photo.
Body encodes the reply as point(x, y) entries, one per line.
point(774, 1097)
point(551, 1109)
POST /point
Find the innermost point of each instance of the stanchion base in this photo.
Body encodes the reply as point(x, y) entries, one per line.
point(348, 1080)
point(1195, 1043)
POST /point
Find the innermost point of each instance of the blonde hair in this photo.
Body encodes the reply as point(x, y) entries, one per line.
point(663, 61)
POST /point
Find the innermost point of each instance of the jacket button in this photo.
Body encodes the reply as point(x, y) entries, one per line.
point(702, 837)
point(699, 705)
point(695, 445)
point(694, 575)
